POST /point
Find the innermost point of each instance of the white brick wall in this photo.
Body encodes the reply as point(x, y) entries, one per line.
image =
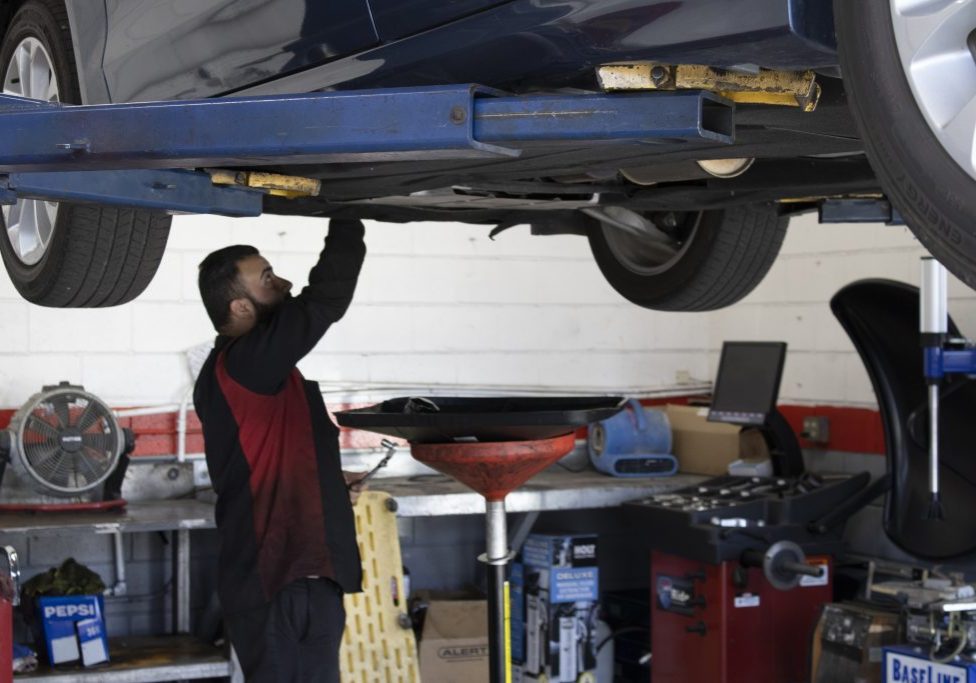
point(792, 305)
point(437, 304)
point(441, 304)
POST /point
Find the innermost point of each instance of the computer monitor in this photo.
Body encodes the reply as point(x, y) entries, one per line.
point(747, 384)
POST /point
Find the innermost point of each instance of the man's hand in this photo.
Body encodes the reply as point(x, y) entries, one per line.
point(354, 485)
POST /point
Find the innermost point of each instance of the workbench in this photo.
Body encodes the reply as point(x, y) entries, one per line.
point(180, 657)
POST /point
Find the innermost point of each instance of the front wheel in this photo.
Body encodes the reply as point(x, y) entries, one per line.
point(68, 255)
point(686, 261)
point(909, 67)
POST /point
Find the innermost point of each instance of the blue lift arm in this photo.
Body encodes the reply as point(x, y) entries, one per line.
point(55, 151)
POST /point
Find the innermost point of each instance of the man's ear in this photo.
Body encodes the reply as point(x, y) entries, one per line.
point(241, 309)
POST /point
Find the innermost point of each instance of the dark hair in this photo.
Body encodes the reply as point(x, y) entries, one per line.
point(219, 283)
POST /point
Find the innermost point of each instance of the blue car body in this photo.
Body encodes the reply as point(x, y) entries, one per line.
point(138, 50)
point(146, 50)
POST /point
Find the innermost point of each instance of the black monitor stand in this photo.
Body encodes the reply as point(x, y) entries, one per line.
point(746, 388)
point(784, 447)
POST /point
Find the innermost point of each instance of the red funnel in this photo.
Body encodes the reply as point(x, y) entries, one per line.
point(493, 469)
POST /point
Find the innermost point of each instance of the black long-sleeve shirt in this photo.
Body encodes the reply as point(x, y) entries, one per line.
point(283, 510)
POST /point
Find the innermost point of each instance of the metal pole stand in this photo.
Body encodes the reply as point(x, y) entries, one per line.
point(494, 470)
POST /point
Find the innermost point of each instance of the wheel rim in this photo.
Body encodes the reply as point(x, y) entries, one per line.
point(651, 254)
point(30, 222)
point(937, 45)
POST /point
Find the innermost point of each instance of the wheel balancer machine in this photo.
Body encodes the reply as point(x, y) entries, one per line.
point(734, 597)
point(492, 445)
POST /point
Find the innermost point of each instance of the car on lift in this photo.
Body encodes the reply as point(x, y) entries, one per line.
point(890, 114)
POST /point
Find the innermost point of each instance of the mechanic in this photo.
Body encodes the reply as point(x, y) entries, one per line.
point(284, 514)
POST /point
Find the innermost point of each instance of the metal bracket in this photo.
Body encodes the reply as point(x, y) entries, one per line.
point(177, 191)
point(781, 88)
point(74, 153)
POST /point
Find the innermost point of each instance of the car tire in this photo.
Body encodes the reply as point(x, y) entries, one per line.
point(933, 192)
point(93, 256)
point(723, 255)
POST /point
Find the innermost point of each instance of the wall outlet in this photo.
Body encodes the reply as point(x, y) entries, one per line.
point(816, 428)
point(682, 377)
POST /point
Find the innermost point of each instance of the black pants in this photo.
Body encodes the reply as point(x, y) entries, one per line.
point(294, 639)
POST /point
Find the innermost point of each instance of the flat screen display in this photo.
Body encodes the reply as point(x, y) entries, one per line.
point(748, 380)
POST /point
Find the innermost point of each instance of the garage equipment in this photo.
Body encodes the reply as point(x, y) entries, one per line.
point(635, 442)
point(85, 145)
point(66, 452)
point(939, 614)
point(944, 355)
point(492, 445)
point(882, 319)
point(847, 641)
point(746, 389)
point(730, 555)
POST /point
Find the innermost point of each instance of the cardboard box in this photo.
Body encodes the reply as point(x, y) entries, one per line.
point(454, 643)
point(561, 588)
point(702, 447)
point(59, 618)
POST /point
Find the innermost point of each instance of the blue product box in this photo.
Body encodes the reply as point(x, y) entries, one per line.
point(516, 600)
point(907, 664)
point(59, 617)
point(561, 588)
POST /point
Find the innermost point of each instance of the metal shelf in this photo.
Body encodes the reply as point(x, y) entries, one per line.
point(167, 515)
point(144, 660)
point(420, 495)
point(430, 495)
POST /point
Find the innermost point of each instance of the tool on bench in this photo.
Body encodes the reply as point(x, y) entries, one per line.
point(390, 451)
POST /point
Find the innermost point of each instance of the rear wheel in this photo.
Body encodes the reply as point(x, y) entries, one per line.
point(686, 261)
point(66, 254)
point(910, 71)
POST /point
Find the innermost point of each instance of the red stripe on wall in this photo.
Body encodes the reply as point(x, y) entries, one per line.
point(853, 430)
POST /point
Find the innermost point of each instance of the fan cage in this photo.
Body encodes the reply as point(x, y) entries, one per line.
point(68, 441)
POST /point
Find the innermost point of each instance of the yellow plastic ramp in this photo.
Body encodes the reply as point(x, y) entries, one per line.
point(378, 645)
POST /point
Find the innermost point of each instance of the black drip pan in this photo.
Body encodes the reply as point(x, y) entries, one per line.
point(440, 419)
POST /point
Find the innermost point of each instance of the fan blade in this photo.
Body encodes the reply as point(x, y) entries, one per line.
point(42, 427)
point(88, 463)
point(39, 456)
point(60, 404)
point(97, 441)
point(77, 479)
point(54, 472)
point(88, 416)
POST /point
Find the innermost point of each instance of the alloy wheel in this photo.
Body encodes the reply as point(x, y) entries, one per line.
point(30, 222)
point(936, 42)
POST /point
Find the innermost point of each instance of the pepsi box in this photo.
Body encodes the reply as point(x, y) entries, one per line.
point(59, 617)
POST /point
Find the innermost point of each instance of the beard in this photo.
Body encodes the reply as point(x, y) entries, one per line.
point(266, 311)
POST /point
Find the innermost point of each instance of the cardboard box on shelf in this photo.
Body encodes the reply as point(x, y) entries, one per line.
point(702, 447)
point(454, 644)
